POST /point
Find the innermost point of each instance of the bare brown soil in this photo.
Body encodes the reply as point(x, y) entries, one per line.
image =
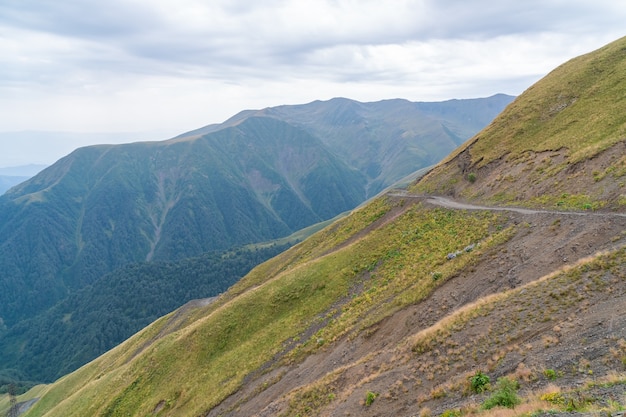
point(581, 341)
point(535, 174)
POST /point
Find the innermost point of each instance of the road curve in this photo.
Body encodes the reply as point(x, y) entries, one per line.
point(452, 204)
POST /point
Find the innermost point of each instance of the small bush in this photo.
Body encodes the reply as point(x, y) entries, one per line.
point(505, 395)
point(370, 397)
point(425, 412)
point(550, 374)
point(471, 177)
point(479, 382)
point(553, 398)
point(451, 413)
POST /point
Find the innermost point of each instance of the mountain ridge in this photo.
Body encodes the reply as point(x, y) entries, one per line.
point(554, 129)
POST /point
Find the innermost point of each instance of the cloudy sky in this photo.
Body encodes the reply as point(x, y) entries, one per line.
point(168, 66)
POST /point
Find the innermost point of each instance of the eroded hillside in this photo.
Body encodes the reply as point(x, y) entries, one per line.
point(540, 300)
point(561, 144)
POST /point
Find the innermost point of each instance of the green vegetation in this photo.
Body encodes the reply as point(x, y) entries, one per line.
point(276, 303)
point(562, 110)
point(33, 393)
point(551, 374)
point(479, 382)
point(341, 282)
point(556, 138)
point(585, 399)
point(505, 395)
point(566, 201)
point(262, 176)
point(398, 296)
point(451, 413)
point(102, 315)
point(370, 397)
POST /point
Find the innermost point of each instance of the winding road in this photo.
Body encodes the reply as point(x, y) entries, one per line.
point(452, 204)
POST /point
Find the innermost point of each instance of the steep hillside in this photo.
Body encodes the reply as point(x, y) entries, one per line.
point(411, 305)
point(369, 305)
point(101, 315)
point(561, 144)
point(105, 206)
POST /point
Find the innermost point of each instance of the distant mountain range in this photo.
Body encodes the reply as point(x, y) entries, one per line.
point(11, 176)
point(8, 181)
point(259, 176)
point(42, 147)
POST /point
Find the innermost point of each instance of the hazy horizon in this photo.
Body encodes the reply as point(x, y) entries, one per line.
point(119, 66)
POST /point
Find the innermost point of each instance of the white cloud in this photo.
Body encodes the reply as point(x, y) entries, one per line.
point(124, 65)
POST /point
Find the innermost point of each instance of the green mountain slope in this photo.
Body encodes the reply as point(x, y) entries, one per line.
point(560, 144)
point(98, 317)
point(390, 139)
point(393, 310)
point(105, 206)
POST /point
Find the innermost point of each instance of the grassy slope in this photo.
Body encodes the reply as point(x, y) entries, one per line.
point(572, 115)
point(580, 105)
point(522, 333)
point(200, 364)
point(338, 283)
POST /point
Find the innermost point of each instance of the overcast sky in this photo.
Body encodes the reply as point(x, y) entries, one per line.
point(169, 66)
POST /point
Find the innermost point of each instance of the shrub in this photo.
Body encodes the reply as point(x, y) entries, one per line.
point(550, 374)
point(451, 413)
point(370, 397)
point(479, 382)
point(505, 395)
point(553, 398)
point(471, 177)
point(425, 412)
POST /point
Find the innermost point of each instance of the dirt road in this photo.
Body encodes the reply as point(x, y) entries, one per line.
point(452, 204)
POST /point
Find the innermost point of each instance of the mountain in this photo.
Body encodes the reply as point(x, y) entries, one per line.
point(109, 205)
point(8, 181)
point(10, 176)
point(259, 176)
point(556, 146)
point(101, 315)
point(415, 304)
point(386, 140)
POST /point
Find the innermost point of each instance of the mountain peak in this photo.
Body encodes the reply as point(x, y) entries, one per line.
point(559, 144)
